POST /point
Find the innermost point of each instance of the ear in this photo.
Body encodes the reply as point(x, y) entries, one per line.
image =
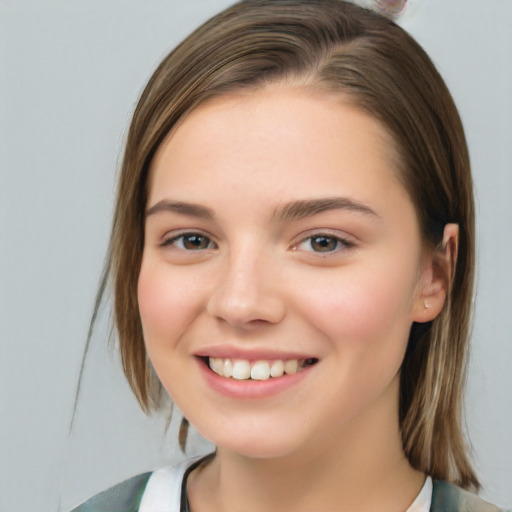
point(437, 276)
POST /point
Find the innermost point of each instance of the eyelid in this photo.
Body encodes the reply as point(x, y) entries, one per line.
point(346, 241)
point(171, 237)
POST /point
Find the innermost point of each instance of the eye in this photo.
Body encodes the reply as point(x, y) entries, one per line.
point(323, 243)
point(190, 242)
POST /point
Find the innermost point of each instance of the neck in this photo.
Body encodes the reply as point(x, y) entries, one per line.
point(360, 468)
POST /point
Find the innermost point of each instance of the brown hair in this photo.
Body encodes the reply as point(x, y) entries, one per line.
point(329, 45)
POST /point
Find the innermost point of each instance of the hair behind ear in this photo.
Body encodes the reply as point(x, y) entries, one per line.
point(433, 376)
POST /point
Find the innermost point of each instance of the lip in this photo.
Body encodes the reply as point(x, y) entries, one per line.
point(250, 389)
point(250, 354)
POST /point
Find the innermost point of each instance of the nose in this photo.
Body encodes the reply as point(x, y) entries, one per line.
point(247, 291)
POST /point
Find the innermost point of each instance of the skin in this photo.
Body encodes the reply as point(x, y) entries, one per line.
point(255, 279)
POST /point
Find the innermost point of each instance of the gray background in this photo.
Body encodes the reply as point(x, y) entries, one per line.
point(70, 73)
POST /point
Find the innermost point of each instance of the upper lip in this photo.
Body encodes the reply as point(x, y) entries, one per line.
point(250, 353)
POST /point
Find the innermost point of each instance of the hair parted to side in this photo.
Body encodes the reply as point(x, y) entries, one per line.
point(335, 46)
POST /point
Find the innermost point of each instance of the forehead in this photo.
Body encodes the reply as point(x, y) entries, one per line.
point(284, 137)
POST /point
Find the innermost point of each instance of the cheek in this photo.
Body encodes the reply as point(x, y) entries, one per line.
point(363, 310)
point(167, 302)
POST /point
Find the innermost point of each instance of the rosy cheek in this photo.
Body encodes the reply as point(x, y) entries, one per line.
point(148, 301)
point(360, 308)
point(168, 304)
point(149, 292)
point(157, 305)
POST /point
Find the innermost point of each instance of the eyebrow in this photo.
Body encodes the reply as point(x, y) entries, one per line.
point(294, 210)
point(182, 208)
point(297, 210)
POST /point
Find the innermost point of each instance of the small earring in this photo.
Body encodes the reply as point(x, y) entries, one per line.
point(425, 305)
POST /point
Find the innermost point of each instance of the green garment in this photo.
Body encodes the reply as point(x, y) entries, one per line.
point(126, 497)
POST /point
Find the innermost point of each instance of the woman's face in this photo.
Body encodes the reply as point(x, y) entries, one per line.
point(279, 236)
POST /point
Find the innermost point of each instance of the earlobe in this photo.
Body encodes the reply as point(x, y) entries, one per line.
point(437, 276)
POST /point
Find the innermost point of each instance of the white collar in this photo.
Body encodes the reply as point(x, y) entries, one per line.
point(424, 499)
point(163, 490)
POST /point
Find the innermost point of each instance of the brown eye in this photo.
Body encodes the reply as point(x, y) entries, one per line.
point(195, 242)
point(190, 242)
point(324, 243)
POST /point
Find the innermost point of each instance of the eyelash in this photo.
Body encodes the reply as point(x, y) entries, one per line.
point(182, 236)
point(340, 243)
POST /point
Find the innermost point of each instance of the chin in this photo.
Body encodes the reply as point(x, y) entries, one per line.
point(263, 444)
point(263, 450)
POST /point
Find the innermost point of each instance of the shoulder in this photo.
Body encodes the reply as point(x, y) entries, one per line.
point(123, 497)
point(144, 491)
point(447, 497)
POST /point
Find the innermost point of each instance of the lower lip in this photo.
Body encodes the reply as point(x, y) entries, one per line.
point(251, 389)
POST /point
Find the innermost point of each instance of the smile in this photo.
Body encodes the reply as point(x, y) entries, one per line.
point(241, 369)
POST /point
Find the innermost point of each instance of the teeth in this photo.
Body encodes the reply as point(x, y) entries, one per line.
point(260, 371)
point(291, 366)
point(277, 369)
point(240, 369)
point(228, 368)
point(216, 365)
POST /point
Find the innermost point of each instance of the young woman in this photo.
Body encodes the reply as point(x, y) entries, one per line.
point(292, 261)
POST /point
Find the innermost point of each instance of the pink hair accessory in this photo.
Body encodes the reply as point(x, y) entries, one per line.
point(392, 7)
